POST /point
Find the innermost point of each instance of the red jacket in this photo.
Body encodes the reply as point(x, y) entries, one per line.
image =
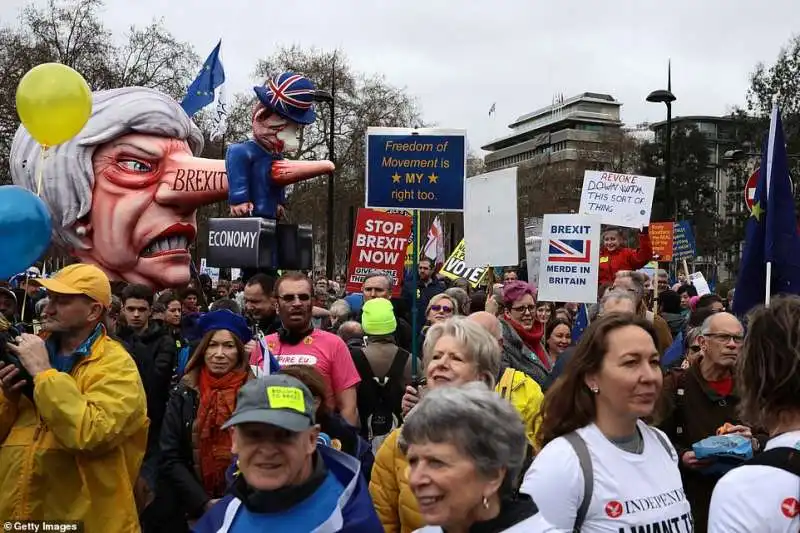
point(624, 259)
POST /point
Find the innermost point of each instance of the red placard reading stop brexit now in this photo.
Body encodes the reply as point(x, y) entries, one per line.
point(380, 241)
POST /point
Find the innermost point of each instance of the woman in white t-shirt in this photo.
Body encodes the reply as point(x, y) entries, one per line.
point(601, 469)
point(764, 494)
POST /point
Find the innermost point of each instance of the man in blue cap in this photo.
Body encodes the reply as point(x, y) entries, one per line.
point(257, 171)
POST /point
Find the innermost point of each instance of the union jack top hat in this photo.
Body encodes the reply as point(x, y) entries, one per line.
point(291, 96)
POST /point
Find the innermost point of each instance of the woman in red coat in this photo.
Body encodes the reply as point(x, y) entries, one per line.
point(613, 257)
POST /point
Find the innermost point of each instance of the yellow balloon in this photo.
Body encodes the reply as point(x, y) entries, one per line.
point(53, 102)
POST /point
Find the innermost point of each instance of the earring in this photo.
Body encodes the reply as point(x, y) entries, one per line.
point(595, 389)
point(81, 231)
point(485, 502)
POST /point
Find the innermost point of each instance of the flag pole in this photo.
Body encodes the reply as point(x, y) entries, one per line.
point(768, 284)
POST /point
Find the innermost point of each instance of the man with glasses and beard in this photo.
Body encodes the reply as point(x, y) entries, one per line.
point(297, 342)
point(700, 402)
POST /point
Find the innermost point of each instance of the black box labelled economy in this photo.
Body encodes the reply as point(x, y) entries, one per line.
point(259, 243)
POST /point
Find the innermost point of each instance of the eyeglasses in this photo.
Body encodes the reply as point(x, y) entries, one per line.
point(289, 298)
point(726, 337)
point(443, 308)
point(522, 309)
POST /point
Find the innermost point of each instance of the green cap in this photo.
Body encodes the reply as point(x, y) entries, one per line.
point(278, 400)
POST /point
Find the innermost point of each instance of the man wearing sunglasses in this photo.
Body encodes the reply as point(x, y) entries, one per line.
point(699, 401)
point(298, 342)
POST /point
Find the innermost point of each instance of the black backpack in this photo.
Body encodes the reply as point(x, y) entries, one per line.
point(379, 399)
point(785, 458)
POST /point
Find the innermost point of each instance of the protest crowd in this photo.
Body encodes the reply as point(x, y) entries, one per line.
point(602, 388)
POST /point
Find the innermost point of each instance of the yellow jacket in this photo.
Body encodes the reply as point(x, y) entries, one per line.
point(76, 454)
point(394, 502)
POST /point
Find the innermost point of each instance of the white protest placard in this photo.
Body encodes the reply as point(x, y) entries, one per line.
point(236, 273)
point(619, 199)
point(570, 258)
point(490, 219)
point(533, 247)
point(699, 281)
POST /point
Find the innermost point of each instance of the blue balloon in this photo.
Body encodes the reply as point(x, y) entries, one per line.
point(25, 227)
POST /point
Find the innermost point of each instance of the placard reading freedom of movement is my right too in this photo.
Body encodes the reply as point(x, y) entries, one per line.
point(619, 199)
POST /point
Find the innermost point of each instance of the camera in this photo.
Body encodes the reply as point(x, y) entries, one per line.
point(7, 335)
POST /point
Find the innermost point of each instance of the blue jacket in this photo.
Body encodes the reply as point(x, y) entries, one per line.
point(355, 512)
point(249, 168)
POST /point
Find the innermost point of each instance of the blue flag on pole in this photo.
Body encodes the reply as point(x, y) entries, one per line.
point(770, 262)
point(580, 324)
point(201, 91)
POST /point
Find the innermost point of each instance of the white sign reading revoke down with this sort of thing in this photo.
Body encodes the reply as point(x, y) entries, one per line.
point(619, 199)
point(570, 258)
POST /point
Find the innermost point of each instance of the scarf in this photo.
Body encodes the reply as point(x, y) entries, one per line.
point(532, 338)
point(217, 402)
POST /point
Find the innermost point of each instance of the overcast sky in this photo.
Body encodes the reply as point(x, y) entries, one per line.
point(457, 58)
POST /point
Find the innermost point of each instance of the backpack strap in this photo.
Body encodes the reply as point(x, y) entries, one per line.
point(362, 364)
point(662, 440)
point(398, 367)
point(785, 458)
point(506, 384)
point(585, 460)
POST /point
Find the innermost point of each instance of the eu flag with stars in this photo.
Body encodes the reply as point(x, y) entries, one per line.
point(201, 91)
point(771, 234)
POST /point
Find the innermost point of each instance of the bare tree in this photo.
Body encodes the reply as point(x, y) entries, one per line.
point(71, 32)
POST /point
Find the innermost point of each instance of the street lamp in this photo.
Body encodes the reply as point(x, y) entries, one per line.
point(666, 97)
point(327, 97)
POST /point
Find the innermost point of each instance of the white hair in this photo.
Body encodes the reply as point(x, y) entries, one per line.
point(67, 170)
point(480, 347)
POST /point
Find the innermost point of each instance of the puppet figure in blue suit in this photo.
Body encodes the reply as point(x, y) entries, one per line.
point(257, 171)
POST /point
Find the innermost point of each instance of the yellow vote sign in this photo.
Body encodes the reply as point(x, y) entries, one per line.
point(455, 267)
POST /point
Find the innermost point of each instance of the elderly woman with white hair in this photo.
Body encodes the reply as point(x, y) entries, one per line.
point(456, 351)
point(465, 448)
point(123, 193)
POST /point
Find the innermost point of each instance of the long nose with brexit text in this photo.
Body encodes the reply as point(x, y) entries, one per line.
point(192, 181)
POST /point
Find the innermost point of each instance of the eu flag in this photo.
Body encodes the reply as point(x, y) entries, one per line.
point(201, 91)
point(770, 262)
point(580, 324)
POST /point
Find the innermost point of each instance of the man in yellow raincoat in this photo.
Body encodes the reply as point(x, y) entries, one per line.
point(71, 449)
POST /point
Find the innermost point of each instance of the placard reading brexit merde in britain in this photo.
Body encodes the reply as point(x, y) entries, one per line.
point(570, 258)
point(420, 169)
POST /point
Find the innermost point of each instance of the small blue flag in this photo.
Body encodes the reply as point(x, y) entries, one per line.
point(673, 353)
point(580, 324)
point(771, 235)
point(201, 91)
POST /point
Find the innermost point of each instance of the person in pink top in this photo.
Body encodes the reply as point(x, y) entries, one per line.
point(297, 342)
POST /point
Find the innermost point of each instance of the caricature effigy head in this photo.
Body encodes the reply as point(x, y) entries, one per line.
point(114, 192)
point(285, 105)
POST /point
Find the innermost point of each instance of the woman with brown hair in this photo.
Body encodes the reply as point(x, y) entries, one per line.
point(195, 450)
point(600, 467)
point(762, 494)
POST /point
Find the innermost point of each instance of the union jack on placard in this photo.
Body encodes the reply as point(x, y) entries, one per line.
point(569, 251)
